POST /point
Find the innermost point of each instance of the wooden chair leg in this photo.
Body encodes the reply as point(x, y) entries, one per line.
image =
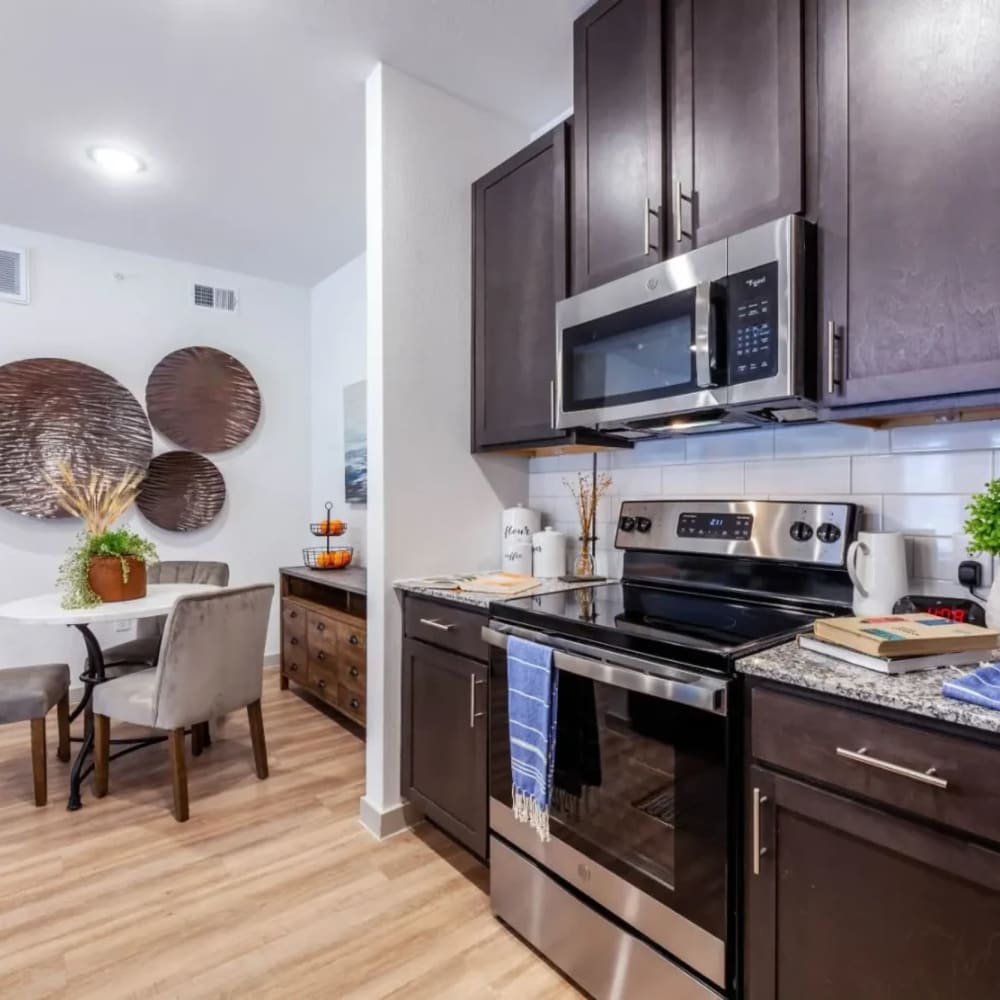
point(62, 720)
point(102, 753)
point(178, 770)
point(196, 740)
point(257, 739)
point(39, 767)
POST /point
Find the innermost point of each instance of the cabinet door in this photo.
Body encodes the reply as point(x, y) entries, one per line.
point(853, 902)
point(520, 261)
point(618, 139)
point(444, 741)
point(737, 105)
point(909, 197)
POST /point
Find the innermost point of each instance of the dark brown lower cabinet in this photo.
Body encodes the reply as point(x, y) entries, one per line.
point(445, 697)
point(846, 900)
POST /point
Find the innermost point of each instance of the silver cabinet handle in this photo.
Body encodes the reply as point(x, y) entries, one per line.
point(473, 714)
point(552, 402)
point(834, 377)
point(758, 851)
point(649, 246)
point(434, 623)
point(656, 680)
point(678, 197)
point(928, 777)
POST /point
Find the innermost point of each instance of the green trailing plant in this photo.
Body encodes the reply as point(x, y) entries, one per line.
point(983, 523)
point(121, 544)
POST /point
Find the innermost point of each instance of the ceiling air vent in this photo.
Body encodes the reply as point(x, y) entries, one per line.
point(14, 276)
point(208, 297)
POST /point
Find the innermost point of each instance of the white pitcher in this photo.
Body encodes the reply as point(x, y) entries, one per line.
point(876, 563)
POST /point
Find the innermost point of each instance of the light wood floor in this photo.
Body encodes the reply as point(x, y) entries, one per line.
point(272, 889)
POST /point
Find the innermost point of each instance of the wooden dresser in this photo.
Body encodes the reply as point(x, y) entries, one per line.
point(323, 636)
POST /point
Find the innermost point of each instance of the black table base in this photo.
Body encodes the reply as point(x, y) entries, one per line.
point(91, 677)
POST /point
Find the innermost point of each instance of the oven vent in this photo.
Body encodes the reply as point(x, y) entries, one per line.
point(14, 276)
point(208, 297)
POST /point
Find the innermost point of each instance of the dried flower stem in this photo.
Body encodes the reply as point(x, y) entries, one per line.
point(587, 495)
point(98, 502)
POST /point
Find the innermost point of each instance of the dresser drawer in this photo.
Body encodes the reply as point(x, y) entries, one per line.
point(321, 635)
point(351, 637)
point(352, 676)
point(351, 703)
point(947, 779)
point(293, 619)
point(293, 659)
point(323, 676)
point(447, 626)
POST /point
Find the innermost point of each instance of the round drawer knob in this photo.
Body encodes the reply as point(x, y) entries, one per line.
point(355, 703)
point(354, 640)
point(322, 684)
point(294, 641)
point(321, 655)
point(293, 667)
point(320, 627)
point(354, 671)
point(293, 614)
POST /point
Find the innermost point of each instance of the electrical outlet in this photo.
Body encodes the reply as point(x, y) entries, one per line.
point(123, 626)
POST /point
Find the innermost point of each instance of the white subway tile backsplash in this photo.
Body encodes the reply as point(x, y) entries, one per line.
point(640, 482)
point(711, 479)
point(665, 451)
point(923, 515)
point(938, 472)
point(947, 437)
point(737, 446)
point(799, 478)
point(937, 557)
point(828, 439)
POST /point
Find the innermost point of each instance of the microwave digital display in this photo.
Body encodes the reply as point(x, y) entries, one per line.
point(753, 324)
point(736, 527)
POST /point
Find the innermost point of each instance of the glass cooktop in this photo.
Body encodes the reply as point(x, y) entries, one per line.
point(707, 629)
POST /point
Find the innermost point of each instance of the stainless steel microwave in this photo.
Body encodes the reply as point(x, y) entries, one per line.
point(723, 334)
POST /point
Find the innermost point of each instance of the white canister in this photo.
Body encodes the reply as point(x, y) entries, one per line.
point(517, 557)
point(549, 553)
point(519, 524)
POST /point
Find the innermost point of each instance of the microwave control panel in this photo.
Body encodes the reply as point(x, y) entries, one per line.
point(753, 324)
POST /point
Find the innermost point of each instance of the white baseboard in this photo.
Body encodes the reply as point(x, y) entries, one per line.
point(394, 820)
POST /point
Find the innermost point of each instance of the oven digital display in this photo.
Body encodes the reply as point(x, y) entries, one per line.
point(727, 526)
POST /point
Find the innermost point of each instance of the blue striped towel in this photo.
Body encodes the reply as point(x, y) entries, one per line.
point(981, 687)
point(532, 692)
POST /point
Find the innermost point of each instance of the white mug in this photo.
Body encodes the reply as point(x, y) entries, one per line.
point(876, 563)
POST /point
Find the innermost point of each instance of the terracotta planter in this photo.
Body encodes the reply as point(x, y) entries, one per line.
point(105, 579)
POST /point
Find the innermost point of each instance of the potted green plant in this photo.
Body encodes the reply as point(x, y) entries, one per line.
point(106, 564)
point(983, 529)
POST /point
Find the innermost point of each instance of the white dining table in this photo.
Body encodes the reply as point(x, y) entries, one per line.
point(47, 609)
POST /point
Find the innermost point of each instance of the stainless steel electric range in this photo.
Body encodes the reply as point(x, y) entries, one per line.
point(636, 894)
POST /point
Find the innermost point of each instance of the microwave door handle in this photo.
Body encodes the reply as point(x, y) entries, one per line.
point(704, 336)
point(695, 692)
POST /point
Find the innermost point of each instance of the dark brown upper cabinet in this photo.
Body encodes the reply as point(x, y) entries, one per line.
point(520, 264)
point(618, 140)
point(736, 140)
point(908, 197)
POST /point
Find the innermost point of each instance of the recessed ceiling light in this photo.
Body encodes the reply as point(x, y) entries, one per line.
point(118, 162)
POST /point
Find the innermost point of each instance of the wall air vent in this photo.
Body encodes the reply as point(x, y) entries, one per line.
point(225, 299)
point(14, 276)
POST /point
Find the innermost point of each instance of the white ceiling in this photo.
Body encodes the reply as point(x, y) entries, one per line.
point(249, 113)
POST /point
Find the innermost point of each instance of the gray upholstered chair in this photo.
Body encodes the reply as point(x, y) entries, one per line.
point(211, 662)
point(28, 693)
point(141, 652)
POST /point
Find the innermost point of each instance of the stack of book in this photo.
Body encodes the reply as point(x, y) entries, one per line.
point(901, 644)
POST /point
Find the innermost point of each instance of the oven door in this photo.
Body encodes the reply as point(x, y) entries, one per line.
point(648, 345)
point(638, 817)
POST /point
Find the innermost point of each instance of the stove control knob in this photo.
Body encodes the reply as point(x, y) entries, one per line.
point(627, 523)
point(828, 533)
point(643, 524)
point(801, 531)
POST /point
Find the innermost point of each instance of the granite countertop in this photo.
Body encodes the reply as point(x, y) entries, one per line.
point(420, 586)
point(353, 579)
point(917, 693)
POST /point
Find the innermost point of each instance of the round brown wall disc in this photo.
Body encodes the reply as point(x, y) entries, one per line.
point(182, 491)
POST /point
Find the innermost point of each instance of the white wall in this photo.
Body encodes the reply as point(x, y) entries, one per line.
point(433, 507)
point(914, 479)
point(124, 325)
point(337, 359)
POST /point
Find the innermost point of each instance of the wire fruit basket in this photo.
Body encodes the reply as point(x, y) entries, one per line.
point(328, 556)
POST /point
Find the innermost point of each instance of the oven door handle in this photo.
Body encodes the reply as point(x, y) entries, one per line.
point(704, 693)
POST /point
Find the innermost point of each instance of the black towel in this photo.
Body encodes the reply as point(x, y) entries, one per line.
point(578, 744)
